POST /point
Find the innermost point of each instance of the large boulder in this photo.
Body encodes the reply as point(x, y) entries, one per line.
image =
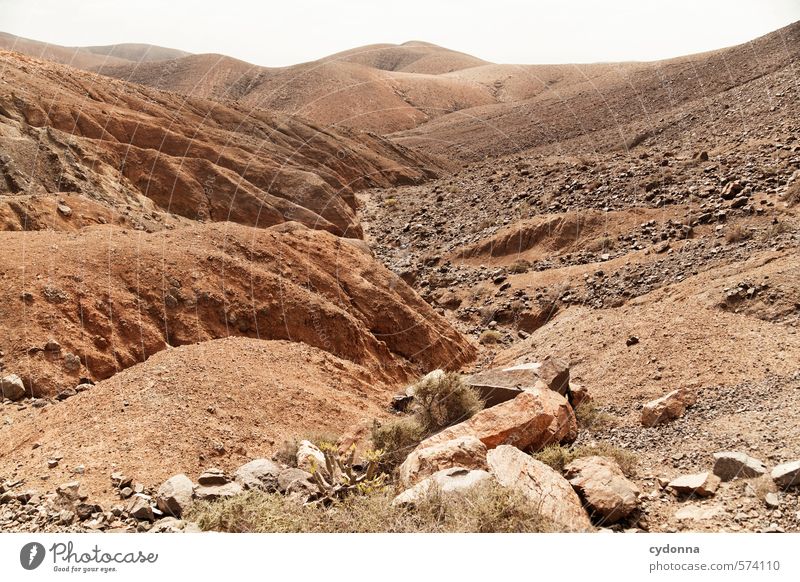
point(731, 465)
point(553, 494)
point(467, 452)
point(258, 474)
point(500, 385)
point(448, 481)
point(701, 484)
point(11, 387)
point(534, 419)
point(668, 407)
point(787, 474)
point(601, 483)
point(175, 495)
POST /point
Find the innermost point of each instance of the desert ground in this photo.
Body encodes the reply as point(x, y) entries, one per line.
point(219, 280)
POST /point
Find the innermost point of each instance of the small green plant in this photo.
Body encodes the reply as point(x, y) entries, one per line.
point(559, 456)
point(390, 202)
point(339, 479)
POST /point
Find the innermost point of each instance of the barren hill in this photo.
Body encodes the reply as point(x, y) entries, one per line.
point(453, 104)
point(196, 248)
point(90, 56)
point(152, 156)
point(601, 102)
point(112, 297)
point(220, 402)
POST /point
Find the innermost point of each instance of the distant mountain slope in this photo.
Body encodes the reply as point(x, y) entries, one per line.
point(88, 57)
point(149, 156)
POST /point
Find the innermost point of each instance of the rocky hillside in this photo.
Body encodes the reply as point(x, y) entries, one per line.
point(604, 256)
point(152, 158)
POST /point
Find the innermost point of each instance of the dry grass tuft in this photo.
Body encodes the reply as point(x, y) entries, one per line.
point(591, 417)
point(490, 336)
point(737, 233)
point(559, 456)
point(485, 509)
point(792, 194)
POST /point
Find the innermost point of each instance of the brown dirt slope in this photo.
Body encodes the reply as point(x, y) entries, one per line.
point(148, 154)
point(172, 414)
point(112, 297)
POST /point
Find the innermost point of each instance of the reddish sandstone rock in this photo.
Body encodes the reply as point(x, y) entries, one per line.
point(534, 419)
point(668, 407)
point(555, 497)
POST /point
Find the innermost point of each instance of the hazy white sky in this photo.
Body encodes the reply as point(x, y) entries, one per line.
point(507, 31)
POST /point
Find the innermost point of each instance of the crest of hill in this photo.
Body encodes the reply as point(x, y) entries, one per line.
point(597, 102)
point(409, 57)
point(91, 56)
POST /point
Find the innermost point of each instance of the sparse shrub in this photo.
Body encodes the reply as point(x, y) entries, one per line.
point(445, 401)
point(396, 439)
point(287, 452)
point(792, 195)
point(490, 336)
point(775, 230)
point(559, 456)
point(520, 266)
point(589, 416)
point(485, 509)
point(737, 233)
point(390, 203)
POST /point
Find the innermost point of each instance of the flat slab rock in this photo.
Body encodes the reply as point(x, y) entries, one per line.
point(732, 465)
point(500, 385)
point(787, 474)
point(702, 484)
point(453, 480)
